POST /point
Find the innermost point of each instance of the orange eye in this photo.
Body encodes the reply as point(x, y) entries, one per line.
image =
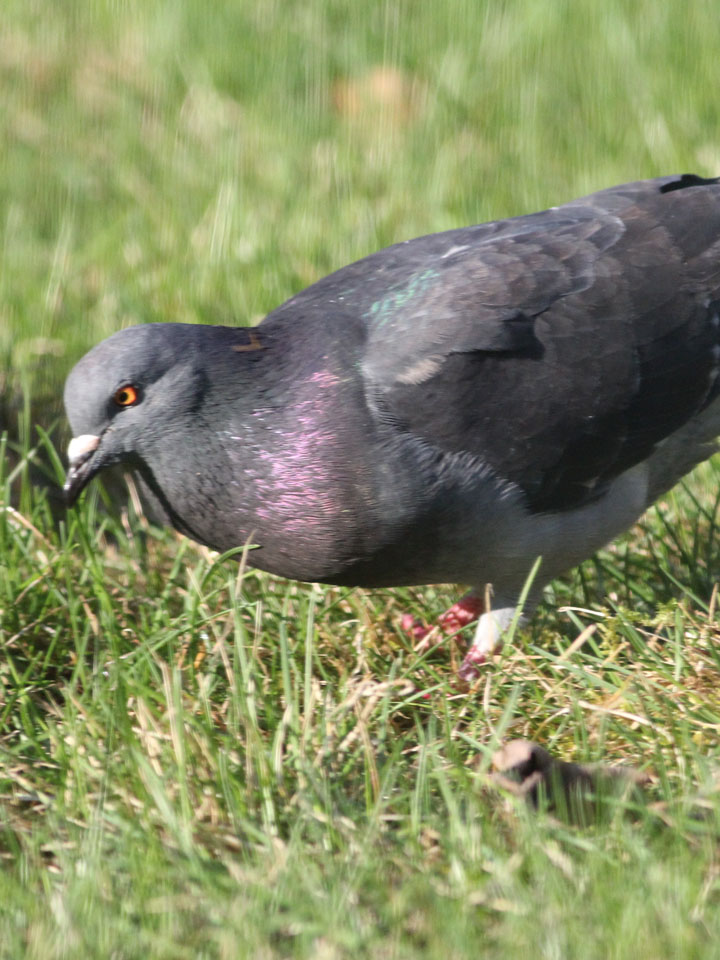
point(126, 396)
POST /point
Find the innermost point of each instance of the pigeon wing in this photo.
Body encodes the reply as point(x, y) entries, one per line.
point(558, 349)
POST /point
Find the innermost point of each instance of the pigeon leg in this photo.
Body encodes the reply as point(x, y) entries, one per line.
point(488, 636)
point(459, 615)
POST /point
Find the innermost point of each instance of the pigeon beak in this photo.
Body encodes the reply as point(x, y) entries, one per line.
point(81, 471)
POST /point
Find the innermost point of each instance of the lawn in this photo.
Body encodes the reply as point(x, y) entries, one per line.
point(201, 761)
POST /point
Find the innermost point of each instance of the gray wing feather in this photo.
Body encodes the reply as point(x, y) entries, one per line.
point(559, 348)
point(483, 292)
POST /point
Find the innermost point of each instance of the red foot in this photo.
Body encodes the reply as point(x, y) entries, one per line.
point(469, 667)
point(413, 627)
point(460, 614)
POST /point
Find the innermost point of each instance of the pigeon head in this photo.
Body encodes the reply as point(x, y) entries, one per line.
point(128, 391)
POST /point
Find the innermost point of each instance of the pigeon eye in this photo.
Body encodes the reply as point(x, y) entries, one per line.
point(126, 396)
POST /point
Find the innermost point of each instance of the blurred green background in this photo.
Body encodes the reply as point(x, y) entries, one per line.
point(201, 162)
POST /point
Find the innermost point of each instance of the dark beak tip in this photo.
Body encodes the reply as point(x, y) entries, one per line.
point(75, 482)
point(69, 496)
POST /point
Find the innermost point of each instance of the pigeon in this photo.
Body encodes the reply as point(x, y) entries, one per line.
point(446, 410)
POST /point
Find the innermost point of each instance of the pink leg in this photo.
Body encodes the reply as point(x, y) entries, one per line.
point(460, 614)
point(468, 671)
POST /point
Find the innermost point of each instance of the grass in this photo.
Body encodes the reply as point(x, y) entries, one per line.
point(197, 760)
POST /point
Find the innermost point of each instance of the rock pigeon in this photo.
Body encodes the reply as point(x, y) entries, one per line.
point(445, 410)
